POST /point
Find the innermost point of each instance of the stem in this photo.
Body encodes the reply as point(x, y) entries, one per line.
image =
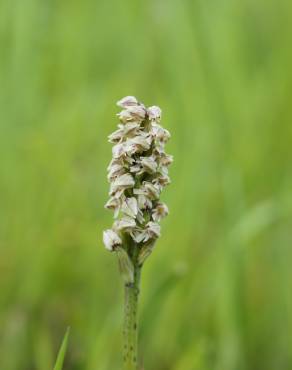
point(130, 321)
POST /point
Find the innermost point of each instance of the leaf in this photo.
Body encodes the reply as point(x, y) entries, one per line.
point(62, 351)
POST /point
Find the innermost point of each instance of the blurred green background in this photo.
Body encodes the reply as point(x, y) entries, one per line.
point(216, 294)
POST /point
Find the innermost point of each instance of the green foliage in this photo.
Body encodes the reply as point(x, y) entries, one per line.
point(216, 290)
point(62, 352)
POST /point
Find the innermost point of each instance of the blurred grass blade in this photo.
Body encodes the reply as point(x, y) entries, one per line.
point(62, 351)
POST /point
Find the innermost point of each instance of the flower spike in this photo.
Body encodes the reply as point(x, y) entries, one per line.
point(137, 174)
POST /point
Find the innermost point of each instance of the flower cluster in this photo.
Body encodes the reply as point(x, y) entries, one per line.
point(137, 174)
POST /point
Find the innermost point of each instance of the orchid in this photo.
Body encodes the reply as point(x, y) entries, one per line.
point(137, 174)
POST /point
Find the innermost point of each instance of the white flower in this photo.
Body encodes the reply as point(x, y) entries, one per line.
point(135, 113)
point(163, 171)
point(153, 229)
point(121, 183)
point(119, 150)
point(148, 189)
point(154, 113)
point(159, 212)
point(127, 102)
point(144, 202)
point(166, 159)
point(151, 190)
point(161, 181)
point(144, 164)
point(125, 130)
point(125, 180)
point(125, 224)
point(151, 232)
point(131, 146)
point(114, 204)
point(149, 164)
point(136, 168)
point(160, 133)
point(129, 128)
point(116, 136)
point(138, 235)
point(113, 162)
point(139, 144)
point(111, 239)
point(130, 207)
point(115, 170)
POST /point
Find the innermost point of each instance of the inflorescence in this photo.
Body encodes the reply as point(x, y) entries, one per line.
point(137, 174)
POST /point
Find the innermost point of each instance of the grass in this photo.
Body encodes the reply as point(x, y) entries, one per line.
point(216, 291)
point(62, 352)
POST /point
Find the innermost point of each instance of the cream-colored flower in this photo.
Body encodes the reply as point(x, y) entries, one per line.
point(125, 180)
point(149, 164)
point(115, 170)
point(125, 131)
point(135, 113)
point(130, 207)
point(161, 181)
point(160, 133)
point(153, 230)
point(119, 150)
point(159, 212)
point(154, 113)
point(111, 239)
point(163, 171)
point(127, 101)
point(144, 202)
point(148, 189)
point(165, 159)
point(121, 183)
point(138, 235)
point(151, 190)
point(125, 116)
point(144, 164)
point(139, 143)
point(136, 168)
point(116, 136)
point(125, 224)
point(130, 128)
point(113, 204)
point(113, 162)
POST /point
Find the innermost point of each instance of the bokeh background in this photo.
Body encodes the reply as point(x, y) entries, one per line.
point(216, 294)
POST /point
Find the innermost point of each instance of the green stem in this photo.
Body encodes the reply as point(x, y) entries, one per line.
point(130, 322)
